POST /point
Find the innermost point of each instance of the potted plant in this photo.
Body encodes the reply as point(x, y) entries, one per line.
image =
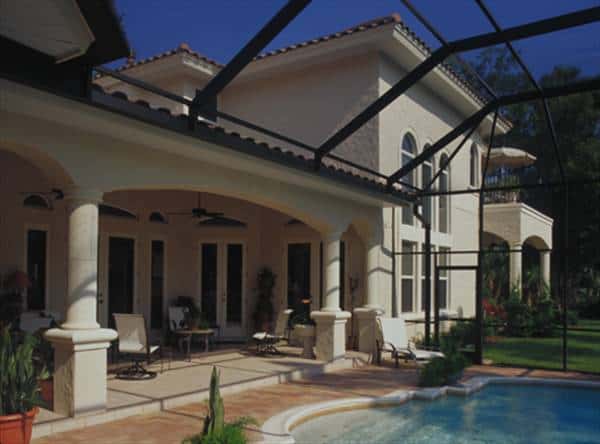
point(19, 388)
point(304, 327)
point(263, 312)
point(193, 318)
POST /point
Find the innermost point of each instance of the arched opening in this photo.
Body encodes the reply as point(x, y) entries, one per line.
point(408, 151)
point(30, 233)
point(36, 201)
point(474, 163)
point(496, 269)
point(444, 200)
point(535, 269)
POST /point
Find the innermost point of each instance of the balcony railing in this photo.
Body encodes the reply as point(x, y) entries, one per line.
point(505, 196)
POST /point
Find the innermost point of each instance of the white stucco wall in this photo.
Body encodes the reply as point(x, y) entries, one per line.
point(427, 117)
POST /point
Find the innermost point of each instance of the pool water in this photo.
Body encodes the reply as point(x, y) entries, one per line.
point(497, 414)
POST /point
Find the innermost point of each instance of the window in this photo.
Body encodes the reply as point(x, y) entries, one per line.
point(407, 276)
point(157, 280)
point(157, 217)
point(426, 176)
point(474, 168)
point(408, 152)
point(423, 280)
point(36, 201)
point(443, 288)
point(444, 200)
point(36, 269)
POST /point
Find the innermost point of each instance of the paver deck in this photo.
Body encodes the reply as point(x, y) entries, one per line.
point(173, 425)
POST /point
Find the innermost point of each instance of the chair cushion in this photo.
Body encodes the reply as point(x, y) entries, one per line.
point(153, 348)
point(260, 336)
point(426, 355)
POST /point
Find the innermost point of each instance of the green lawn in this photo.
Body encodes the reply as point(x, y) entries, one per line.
point(583, 350)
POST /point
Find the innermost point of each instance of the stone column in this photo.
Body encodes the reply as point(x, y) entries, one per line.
point(331, 320)
point(545, 267)
point(366, 316)
point(515, 266)
point(80, 344)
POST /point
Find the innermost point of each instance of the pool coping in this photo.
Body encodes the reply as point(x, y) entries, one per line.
point(278, 428)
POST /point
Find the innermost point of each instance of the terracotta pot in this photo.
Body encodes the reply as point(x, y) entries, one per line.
point(16, 429)
point(47, 392)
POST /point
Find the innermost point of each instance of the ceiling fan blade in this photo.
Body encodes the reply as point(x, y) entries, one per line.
point(179, 213)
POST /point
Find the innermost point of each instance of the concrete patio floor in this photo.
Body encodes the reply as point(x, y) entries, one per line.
point(171, 425)
point(183, 382)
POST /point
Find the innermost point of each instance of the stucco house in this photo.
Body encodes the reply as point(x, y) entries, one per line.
point(103, 203)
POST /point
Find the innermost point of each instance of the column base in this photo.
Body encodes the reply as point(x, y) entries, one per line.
point(330, 334)
point(80, 369)
point(366, 325)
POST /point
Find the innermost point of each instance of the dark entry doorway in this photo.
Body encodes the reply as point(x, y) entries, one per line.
point(298, 277)
point(120, 276)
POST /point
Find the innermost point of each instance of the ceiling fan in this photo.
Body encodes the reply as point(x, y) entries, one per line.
point(54, 193)
point(198, 212)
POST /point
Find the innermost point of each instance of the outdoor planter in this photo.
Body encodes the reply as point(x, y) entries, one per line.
point(307, 334)
point(16, 429)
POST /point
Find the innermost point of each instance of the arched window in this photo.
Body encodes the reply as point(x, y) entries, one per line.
point(426, 176)
point(408, 152)
point(474, 167)
point(157, 217)
point(444, 199)
point(36, 201)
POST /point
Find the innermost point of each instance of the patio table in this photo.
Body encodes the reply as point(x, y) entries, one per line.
point(205, 333)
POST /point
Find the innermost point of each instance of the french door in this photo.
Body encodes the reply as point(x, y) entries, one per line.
point(116, 277)
point(222, 287)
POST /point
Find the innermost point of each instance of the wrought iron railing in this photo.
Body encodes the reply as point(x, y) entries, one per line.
point(504, 196)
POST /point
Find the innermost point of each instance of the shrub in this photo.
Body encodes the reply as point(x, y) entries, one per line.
point(446, 370)
point(543, 315)
point(19, 388)
point(518, 316)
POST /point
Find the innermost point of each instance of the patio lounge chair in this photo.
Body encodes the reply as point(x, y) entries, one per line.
point(266, 342)
point(133, 342)
point(393, 338)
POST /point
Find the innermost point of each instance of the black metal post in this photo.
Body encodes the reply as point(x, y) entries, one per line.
point(565, 273)
point(206, 98)
point(479, 275)
point(436, 306)
point(394, 293)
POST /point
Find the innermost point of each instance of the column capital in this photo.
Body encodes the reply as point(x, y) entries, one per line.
point(333, 235)
point(80, 194)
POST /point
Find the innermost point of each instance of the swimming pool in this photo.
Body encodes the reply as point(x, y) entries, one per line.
point(500, 413)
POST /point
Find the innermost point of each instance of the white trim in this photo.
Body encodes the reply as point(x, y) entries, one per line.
point(38, 227)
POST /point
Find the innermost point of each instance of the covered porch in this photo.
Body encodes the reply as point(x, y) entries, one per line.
point(114, 229)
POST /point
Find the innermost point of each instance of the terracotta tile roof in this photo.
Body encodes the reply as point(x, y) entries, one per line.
point(183, 48)
point(392, 19)
point(366, 26)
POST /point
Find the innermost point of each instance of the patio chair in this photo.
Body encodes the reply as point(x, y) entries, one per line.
point(133, 342)
point(266, 341)
point(177, 317)
point(393, 338)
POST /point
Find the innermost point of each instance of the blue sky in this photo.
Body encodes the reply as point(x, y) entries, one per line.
point(218, 28)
